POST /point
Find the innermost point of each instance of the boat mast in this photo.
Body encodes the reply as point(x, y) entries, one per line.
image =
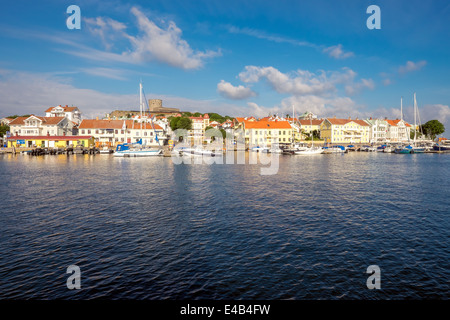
point(293, 126)
point(415, 107)
point(401, 108)
point(140, 105)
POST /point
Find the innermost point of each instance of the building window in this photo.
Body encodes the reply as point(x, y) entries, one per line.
point(89, 131)
point(96, 131)
point(116, 132)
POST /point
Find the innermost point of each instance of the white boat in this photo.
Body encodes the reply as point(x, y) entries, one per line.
point(388, 149)
point(260, 149)
point(335, 149)
point(136, 152)
point(185, 151)
point(137, 149)
point(106, 150)
point(276, 150)
point(207, 153)
point(368, 149)
point(309, 151)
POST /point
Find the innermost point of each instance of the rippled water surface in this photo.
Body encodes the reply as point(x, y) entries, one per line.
point(150, 229)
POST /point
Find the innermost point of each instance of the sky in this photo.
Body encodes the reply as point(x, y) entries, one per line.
point(237, 58)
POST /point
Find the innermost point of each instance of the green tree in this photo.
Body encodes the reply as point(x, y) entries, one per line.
point(184, 123)
point(213, 132)
point(3, 129)
point(433, 128)
point(16, 116)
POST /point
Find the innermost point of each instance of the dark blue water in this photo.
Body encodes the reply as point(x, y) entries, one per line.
point(150, 229)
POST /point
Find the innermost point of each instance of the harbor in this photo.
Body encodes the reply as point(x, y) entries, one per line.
point(145, 228)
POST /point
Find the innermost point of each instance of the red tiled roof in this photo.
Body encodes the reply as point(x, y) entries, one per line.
point(315, 122)
point(345, 121)
point(66, 108)
point(115, 124)
point(267, 125)
point(45, 120)
point(396, 121)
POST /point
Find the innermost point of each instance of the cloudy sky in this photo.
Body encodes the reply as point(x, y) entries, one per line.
point(234, 57)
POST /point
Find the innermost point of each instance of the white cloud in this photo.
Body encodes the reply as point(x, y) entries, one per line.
point(164, 45)
point(270, 37)
point(436, 111)
point(26, 93)
point(411, 66)
point(152, 43)
point(105, 73)
point(106, 29)
point(298, 83)
point(303, 82)
point(337, 52)
point(355, 88)
point(229, 91)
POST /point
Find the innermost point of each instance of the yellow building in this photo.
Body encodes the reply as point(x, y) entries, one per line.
point(264, 133)
point(344, 131)
point(308, 126)
point(49, 141)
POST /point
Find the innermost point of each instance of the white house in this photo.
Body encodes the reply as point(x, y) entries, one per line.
point(71, 113)
point(41, 126)
point(113, 132)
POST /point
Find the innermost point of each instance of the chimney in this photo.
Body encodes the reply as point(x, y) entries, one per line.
point(349, 118)
point(96, 118)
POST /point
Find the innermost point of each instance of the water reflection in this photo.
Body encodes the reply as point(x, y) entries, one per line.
point(146, 228)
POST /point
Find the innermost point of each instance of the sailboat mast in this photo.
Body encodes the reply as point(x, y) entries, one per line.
point(140, 104)
point(415, 107)
point(401, 108)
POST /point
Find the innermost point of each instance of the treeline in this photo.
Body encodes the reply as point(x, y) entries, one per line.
point(184, 122)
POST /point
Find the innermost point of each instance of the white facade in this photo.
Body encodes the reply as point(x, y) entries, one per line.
point(71, 113)
point(41, 126)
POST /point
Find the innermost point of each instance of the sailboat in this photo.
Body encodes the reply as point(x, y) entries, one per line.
point(414, 148)
point(312, 149)
point(137, 149)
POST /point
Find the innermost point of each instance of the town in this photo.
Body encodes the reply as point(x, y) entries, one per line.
point(63, 127)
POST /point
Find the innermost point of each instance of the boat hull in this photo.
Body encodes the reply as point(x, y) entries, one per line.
point(309, 152)
point(135, 154)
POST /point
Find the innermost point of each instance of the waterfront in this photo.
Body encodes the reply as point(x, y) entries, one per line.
point(149, 229)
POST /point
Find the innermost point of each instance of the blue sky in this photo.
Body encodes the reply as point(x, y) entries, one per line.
point(232, 57)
